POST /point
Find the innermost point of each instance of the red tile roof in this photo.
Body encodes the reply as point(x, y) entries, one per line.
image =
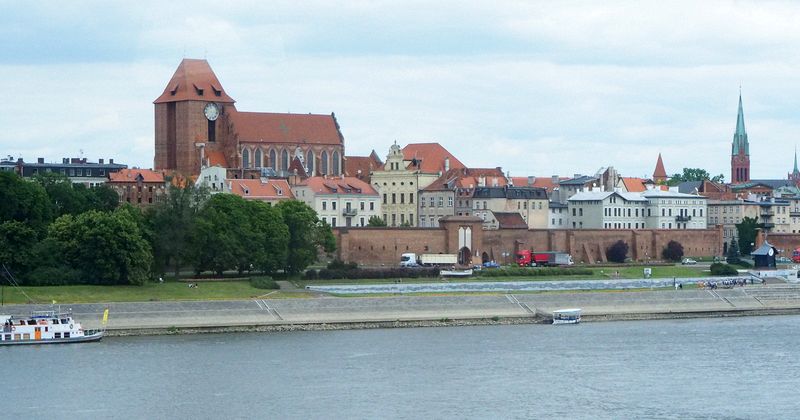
point(510, 221)
point(633, 184)
point(130, 175)
point(260, 189)
point(431, 157)
point(338, 185)
point(361, 166)
point(468, 178)
point(216, 157)
point(545, 182)
point(266, 127)
point(190, 79)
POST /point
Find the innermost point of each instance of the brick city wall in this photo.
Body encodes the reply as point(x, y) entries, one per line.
point(383, 246)
point(785, 242)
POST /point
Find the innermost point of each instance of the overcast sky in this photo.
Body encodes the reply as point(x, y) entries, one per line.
point(538, 88)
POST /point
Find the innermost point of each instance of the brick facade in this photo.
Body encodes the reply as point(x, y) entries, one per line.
point(383, 246)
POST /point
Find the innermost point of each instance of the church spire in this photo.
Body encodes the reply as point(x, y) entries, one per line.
point(796, 171)
point(740, 143)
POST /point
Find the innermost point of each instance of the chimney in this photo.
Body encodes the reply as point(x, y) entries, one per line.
point(481, 181)
point(63, 160)
point(554, 179)
point(100, 161)
point(39, 160)
point(446, 164)
point(111, 161)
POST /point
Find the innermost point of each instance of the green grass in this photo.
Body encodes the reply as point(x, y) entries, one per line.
point(148, 292)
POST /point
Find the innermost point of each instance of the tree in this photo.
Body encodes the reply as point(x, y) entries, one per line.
point(221, 238)
point(673, 251)
point(25, 202)
point(733, 256)
point(376, 221)
point(171, 223)
point(747, 234)
point(694, 174)
point(617, 252)
point(103, 198)
point(17, 242)
point(306, 234)
point(106, 248)
point(75, 198)
point(270, 241)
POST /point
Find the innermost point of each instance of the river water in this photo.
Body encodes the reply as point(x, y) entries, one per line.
point(702, 368)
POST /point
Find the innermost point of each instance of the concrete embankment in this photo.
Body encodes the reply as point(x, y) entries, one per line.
point(324, 313)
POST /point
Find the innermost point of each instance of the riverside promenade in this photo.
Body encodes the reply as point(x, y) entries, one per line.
point(327, 312)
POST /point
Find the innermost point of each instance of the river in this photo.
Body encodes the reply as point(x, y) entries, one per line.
point(700, 368)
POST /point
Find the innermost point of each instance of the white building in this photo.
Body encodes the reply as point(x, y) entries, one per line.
point(213, 178)
point(650, 209)
point(339, 201)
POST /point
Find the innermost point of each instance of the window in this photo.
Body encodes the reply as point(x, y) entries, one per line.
point(324, 205)
point(441, 201)
point(449, 201)
point(336, 163)
point(411, 198)
point(433, 200)
point(372, 204)
point(580, 212)
point(310, 162)
point(257, 157)
point(333, 221)
point(333, 205)
point(285, 160)
point(324, 162)
point(362, 222)
point(362, 205)
point(384, 199)
point(394, 198)
point(245, 158)
point(273, 160)
point(402, 198)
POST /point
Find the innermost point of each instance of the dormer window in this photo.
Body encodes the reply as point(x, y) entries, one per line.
point(217, 91)
point(246, 191)
point(197, 89)
point(174, 90)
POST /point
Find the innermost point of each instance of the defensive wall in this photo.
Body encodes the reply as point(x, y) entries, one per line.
point(785, 242)
point(377, 246)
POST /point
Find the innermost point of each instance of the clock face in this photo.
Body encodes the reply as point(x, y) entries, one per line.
point(212, 111)
point(771, 252)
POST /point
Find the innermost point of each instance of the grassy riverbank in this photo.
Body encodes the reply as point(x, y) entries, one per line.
point(169, 291)
point(241, 289)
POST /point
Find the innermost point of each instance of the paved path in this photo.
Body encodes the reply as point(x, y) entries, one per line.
point(265, 311)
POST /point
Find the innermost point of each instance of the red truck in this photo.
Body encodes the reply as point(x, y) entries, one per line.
point(528, 258)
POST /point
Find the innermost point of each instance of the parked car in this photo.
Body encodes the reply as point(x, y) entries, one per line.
point(688, 261)
point(491, 264)
point(784, 260)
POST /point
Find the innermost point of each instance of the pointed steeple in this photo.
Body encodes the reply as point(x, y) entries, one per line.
point(660, 174)
point(740, 143)
point(795, 171)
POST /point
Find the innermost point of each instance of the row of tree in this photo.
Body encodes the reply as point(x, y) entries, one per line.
point(56, 232)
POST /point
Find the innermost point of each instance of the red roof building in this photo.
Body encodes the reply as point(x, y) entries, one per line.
point(197, 124)
point(140, 187)
point(430, 158)
point(362, 166)
point(340, 201)
point(263, 189)
point(660, 174)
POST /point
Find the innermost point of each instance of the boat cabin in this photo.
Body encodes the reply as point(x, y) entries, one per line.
point(39, 326)
point(567, 316)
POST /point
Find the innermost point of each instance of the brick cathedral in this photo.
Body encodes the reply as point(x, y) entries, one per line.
point(197, 124)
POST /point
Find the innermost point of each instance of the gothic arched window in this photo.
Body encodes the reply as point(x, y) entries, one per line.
point(285, 160)
point(245, 158)
point(336, 163)
point(273, 159)
point(310, 162)
point(324, 163)
point(257, 159)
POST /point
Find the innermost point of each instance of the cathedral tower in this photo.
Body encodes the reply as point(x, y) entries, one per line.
point(740, 153)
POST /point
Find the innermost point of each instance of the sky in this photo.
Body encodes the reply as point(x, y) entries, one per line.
point(537, 88)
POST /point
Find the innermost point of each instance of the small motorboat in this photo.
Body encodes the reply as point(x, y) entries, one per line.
point(567, 316)
point(46, 327)
point(456, 273)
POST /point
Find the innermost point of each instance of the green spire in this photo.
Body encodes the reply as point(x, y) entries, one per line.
point(740, 142)
point(796, 171)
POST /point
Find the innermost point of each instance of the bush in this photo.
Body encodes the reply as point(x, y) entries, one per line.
point(310, 275)
point(673, 251)
point(722, 269)
point(341, 265)
point(617, 252)
point(377, 273)
point(263, 283)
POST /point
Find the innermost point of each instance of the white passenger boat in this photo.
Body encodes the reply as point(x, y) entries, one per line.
point(46, 327)
point(567, 316)
point(455, 273)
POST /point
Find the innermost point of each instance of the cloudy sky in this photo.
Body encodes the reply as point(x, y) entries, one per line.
point(538, 88)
